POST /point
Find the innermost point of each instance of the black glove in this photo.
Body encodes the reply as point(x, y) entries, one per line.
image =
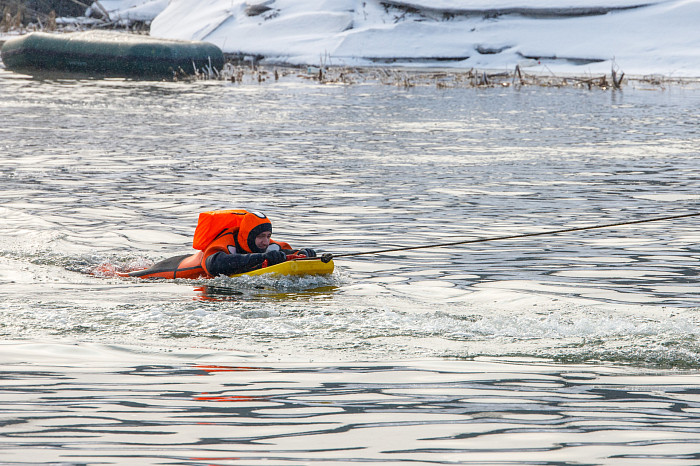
point(308, 252)
point(274, 257)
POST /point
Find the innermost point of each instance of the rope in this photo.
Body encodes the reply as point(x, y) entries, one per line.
point(525, 235)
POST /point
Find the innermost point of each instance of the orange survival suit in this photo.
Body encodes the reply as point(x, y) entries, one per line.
point(226, 243)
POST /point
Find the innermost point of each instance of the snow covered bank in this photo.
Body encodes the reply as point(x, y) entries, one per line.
point(570, 36)
point(581, 37)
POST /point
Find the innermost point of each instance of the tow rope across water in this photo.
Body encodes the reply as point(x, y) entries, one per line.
point(327, 257)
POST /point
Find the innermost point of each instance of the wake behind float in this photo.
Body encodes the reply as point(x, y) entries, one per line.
point(109, 54)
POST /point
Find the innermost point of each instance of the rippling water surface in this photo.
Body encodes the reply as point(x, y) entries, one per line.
point(578, 348)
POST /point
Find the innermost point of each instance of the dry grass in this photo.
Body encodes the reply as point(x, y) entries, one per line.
point(236, 71)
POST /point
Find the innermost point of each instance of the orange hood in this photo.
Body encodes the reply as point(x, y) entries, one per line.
point(252, 225)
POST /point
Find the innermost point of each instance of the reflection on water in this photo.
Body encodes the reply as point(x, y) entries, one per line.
point(260, 293)
point(430, 412)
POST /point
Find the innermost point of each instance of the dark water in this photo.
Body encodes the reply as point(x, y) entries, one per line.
point(578, 348)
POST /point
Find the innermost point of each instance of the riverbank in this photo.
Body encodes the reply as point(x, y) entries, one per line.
point(235, 72)
point(246, 69)
point(546, 39)
point(442, 78)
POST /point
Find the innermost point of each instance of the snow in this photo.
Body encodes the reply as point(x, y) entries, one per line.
point(639, 37)
point(128, 10)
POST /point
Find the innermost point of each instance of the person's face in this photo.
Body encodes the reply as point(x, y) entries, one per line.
point(262, 241)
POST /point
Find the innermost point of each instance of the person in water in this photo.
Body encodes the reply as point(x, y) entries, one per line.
point(229, 242)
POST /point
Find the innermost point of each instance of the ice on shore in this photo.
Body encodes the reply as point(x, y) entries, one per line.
point(640, 37)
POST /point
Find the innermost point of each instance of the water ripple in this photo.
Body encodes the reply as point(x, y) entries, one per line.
point(471, 412)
